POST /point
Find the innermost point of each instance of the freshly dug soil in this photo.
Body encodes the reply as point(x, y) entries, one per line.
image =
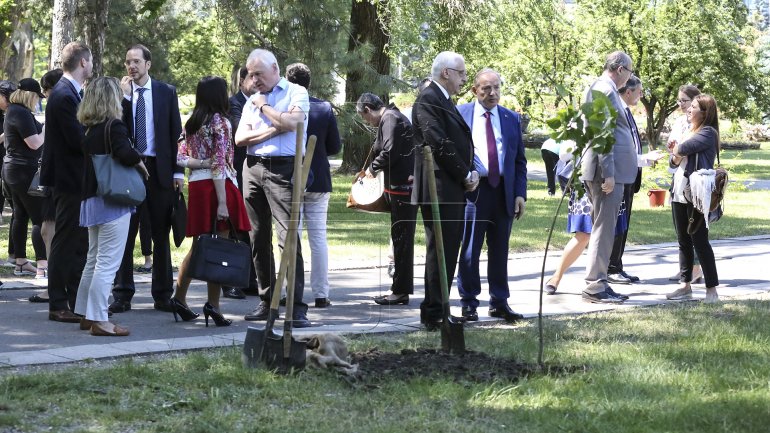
point(376, 366)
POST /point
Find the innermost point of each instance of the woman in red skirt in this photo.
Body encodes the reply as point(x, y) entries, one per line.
point(206, 148)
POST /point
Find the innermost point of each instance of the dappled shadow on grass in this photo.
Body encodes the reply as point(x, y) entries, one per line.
point(376, 366)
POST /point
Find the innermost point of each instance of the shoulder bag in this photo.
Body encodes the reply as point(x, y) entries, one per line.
point(117, 183)
point(368, 194)
point(219, 260)
point(35, 189)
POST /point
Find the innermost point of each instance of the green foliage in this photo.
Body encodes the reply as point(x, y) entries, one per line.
point(197, 41)
point(590, 127)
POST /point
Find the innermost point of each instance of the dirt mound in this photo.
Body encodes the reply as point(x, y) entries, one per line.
point(377, 366)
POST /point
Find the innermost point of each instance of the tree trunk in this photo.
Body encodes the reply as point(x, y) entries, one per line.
point(365, 75)
point(63, 29)
point(94, 26)
point(19, 53)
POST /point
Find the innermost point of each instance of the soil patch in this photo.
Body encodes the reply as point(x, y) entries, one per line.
point(375, 366)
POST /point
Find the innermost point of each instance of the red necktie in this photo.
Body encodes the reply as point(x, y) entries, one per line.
point(494, 164)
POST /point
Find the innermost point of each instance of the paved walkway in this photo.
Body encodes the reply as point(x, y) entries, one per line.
point(28, 338)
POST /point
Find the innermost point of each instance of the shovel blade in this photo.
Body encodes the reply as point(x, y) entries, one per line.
point(264, 349)
point(452, 336)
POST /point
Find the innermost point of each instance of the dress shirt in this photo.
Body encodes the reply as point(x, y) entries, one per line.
point(148, 114)
point(78, 87)
point(443, 90)
point(283, 98)
point(479, 133)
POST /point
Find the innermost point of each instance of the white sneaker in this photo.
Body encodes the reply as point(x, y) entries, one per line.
point(711, 297)
point(680, 294)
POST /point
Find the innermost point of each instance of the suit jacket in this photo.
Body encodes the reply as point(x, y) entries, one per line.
point(63, 160)
point(239, 152)
point(322, 123)
point(620, 162)
point(168, 128)
point(438, 124)
point(635, 131)
point(515, 162)
point(393, 148)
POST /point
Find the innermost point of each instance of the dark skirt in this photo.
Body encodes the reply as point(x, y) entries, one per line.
point(202, 208)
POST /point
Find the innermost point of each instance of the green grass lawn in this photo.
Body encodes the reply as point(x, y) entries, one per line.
point(676, 368)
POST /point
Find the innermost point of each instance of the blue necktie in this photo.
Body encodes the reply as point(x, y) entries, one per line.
point(140, 134)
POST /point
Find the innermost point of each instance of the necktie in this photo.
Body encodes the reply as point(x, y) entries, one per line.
point(140, 134)
point(634, 131)
point(494, 164)
point(80, 93)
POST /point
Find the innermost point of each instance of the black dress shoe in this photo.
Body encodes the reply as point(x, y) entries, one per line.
point(119, 307)
point(601, 298)
point(632, 278)
point(232, 293)
point(299, 320)
point(322, 302)
point(282, 302)
point(505, 313)
point(618, 279)
point(392, 300)
point(165, 306)
point(251, 291)
point(616, 294)
point(259, 313)
point(470, 314)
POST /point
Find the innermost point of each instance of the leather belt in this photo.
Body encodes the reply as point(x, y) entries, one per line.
point(264, 160)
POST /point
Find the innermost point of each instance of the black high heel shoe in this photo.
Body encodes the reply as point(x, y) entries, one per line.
point(182, 311)
point(219, 320)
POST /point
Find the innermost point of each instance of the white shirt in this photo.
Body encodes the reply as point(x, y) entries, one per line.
point(74, 82)
point(283, 98)
point(479, 134)
point(148, 115)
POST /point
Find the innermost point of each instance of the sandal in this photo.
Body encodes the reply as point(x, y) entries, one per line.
point(42, 274)
point(19, 270)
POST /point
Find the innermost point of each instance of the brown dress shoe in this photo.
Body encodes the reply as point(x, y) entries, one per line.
point(63, 316)
point(117, 331)
point(85, 324)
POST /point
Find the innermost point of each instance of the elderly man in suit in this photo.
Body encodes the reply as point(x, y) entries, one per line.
point(605, 177)
point(151, 112)
point(62, 169)
point(315, 204)
point(438, 124)
point(499, 199)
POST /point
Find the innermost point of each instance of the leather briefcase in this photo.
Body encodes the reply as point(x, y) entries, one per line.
point(219, 260)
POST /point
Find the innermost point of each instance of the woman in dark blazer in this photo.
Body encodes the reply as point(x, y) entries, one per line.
point(697, 151)
point(107, 222)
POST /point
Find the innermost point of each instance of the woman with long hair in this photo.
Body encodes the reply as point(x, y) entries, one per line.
point(679, 130)
point(23, 144)
point(100, 112)
point(206, 148)
point(697, 151)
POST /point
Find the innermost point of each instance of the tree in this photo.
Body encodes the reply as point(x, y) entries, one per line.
point(62, 29)
point(94, 24)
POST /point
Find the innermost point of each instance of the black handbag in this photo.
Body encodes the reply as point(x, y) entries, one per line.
point(219, 260)
point(35, 189)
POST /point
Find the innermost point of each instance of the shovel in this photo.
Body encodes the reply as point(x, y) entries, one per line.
point(452, 333)
point(265, 347)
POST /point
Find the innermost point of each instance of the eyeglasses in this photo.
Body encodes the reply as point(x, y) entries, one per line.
point(629, 70)
point(683, 101)
point(460, 72)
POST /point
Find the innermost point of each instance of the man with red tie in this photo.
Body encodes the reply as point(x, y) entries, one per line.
point(499, 199)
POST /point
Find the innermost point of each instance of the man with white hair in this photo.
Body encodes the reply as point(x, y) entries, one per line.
point(605, 176)
point(268, 127)
point(438, 124)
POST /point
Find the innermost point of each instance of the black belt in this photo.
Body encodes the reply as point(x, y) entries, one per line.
point(146, 158)
point(255, 159)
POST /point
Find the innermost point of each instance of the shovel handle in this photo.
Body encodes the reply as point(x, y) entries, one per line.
point(437, 233)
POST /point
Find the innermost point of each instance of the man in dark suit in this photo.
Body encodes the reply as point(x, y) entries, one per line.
point(315, 202)
point(438, 124)
point(245, 90)
point(499, 199)
point(62, 169)
point(151, 112)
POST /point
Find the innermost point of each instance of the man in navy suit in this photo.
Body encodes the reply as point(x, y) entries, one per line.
point(151, 112)
point(62, 169)
point(321, 123)
point(438, 124)
point(499, 199)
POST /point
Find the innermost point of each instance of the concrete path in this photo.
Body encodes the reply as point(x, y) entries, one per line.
point(27, 337)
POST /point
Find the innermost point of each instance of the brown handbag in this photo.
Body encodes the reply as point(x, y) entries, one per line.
point(368, 194)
